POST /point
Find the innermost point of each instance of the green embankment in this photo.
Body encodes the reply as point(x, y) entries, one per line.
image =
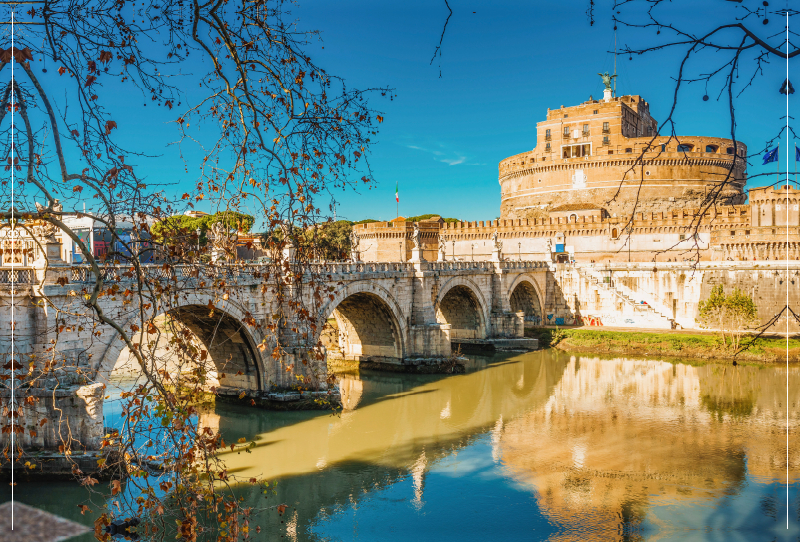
point(765, 350)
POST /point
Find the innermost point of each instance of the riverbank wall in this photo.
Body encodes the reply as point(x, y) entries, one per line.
point(667, 295)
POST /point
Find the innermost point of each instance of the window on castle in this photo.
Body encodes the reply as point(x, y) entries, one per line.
point(733, 233)
point(711, 148)
point(547, 147)
point(576, 151)
point(729, 150)
point(566, 131)
point(547, 134)
point(585, 129)
point(663, 148)
point(628, 150)
point(605, 140)
point(565, 116)
point(605, 127)
point(685, 148)
point(596, 111)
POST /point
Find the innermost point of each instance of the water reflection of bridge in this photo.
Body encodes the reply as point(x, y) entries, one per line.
point(598, 442)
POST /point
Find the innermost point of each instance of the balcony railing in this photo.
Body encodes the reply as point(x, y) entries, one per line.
point(17, 276)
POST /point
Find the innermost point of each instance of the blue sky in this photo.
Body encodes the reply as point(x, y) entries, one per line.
point(503, 64)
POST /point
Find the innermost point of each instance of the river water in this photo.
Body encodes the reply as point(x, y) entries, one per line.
point(537, 446)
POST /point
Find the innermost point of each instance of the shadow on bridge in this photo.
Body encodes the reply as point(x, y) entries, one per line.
point(231, 357)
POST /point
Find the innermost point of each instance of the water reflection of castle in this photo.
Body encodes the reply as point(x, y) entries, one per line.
point(619, 436)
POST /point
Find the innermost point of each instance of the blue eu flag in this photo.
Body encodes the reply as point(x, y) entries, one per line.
point(796, 154)
point(771, 156)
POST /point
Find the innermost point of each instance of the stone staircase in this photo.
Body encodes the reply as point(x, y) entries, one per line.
point(654, 315)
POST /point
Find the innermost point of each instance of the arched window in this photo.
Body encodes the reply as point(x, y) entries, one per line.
point(614, 233)
point(685, 148)
point(711, 148)
point(573, 218)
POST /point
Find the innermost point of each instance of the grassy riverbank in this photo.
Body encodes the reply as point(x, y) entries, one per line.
point(765, 350)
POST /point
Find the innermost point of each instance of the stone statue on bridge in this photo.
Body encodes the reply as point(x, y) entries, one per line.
point(415, 236)
point(223, 241)
point(497, 248)
point(355, 253)
point(442, 248)
point(497, 244)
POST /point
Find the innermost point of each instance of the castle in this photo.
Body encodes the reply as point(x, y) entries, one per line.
point(601, 185)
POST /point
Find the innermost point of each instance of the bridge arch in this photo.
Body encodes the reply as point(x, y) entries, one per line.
point(232, 344)
point(461, 304)
point(525, 295)
point(369, 323)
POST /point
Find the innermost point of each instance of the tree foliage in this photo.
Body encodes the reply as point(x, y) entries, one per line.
point(185, 226)
point(332, 240)
point(731, 315)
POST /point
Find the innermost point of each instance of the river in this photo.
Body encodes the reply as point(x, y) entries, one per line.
point(537, 446)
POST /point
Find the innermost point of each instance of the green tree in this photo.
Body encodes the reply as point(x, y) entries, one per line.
point(712, 311)
point(331, 240)
point(741, 313)
point(730, 314)
point(177, 228)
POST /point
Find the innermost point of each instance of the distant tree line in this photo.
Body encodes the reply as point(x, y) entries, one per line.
point(185, 225)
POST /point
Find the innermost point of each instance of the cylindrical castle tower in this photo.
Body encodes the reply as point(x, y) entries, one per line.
point(605, 155)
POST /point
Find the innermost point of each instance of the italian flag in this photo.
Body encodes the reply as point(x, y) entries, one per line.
point(396, 192)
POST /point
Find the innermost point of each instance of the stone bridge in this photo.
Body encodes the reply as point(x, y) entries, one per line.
point(398, 313)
